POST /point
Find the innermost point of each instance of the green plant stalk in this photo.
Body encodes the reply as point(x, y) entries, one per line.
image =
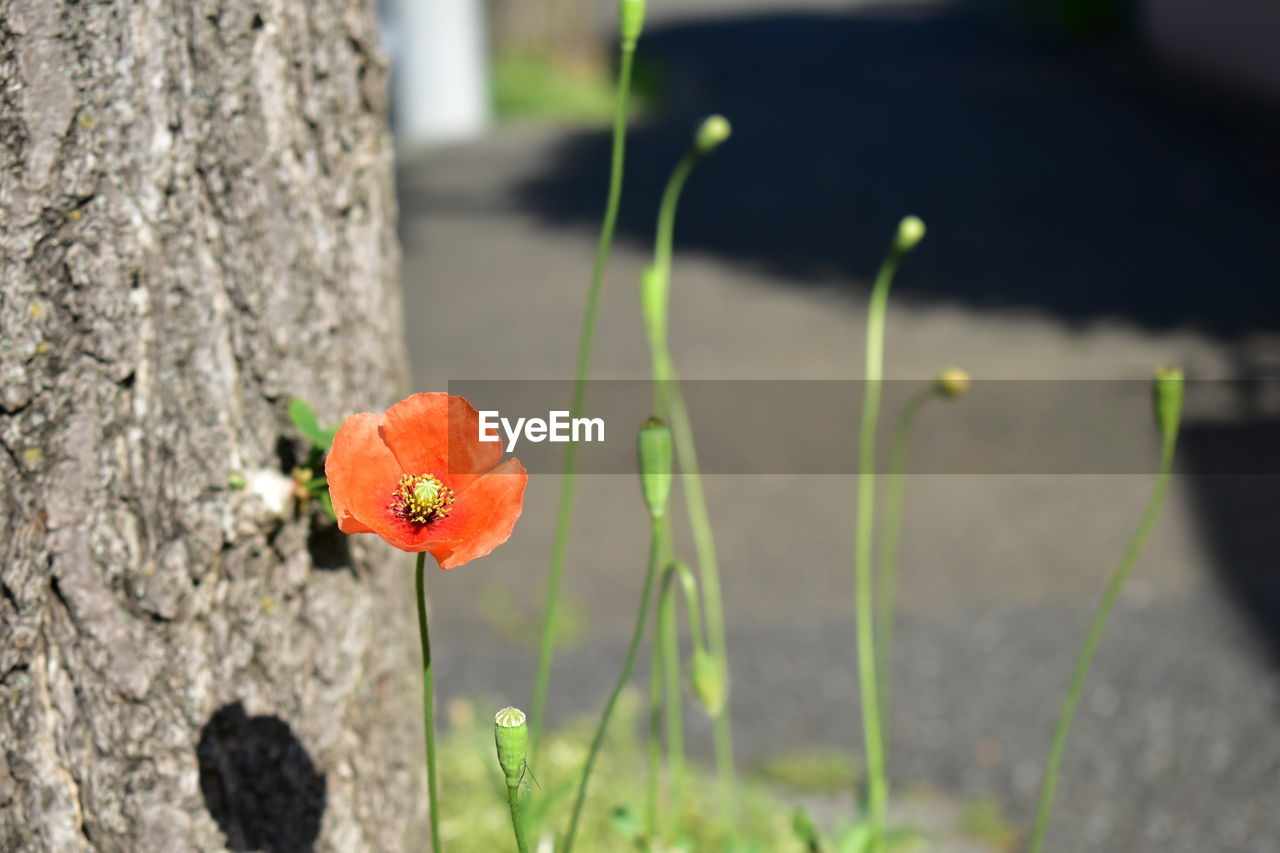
point(428, 705)
point(654, 744)
point(559, 549)
point(887, 578)
point(655, 542)
point(669, 640)
point(517, 821)
point(1094, 636)
point(877, 786)
point(669, 403)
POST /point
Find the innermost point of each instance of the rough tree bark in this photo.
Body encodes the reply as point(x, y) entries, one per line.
point(198, 223)
point(566, 32)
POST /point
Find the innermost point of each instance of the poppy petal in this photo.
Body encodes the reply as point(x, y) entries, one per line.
point(439, 434)
point(363, 474)
point(347, 523)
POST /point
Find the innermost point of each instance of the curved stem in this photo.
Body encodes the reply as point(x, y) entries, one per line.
point(877, 786)
point(428, 705)
point(669, 403)
point(887, 577)
point(559, 549)
point(646, 593)
point(1094, 636)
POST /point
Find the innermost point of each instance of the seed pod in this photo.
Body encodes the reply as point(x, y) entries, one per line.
point(655, 451)
point(511, 735)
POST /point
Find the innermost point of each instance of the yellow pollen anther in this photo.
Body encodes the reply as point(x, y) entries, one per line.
point(421, 499)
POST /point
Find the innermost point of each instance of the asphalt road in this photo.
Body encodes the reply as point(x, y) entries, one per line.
point(1089, 219)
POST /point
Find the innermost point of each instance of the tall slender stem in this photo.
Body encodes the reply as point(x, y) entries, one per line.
point(655, 540)
point(559, 549)
point(517, 820)
point(653, 805)
point(1094, 636)
point(704, 546)
point(669, 402)
point(887, 578)
point(668, 641)
point(877, 786)
point(428, 705)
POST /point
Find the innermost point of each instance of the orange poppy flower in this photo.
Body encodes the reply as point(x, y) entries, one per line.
point(419, 477)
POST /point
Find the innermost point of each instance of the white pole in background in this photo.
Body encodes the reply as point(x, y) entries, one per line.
point(440, 75)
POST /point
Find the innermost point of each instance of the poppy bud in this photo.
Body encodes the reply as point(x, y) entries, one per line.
point(713, 131)
point(630, 21)
point(953, 382)
point(655, 452)
point(511, 735)
point(1167, 398)
point(710, 687)
point(910, 233)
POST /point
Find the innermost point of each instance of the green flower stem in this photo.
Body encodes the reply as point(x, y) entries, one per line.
point(877, 786)
point(654, 743)
point(669, 637)
point(655, 544)
point(555, 573)
point(704, 545)
point(428, 705)
point(669, 403)
point(887, 578)
point(517, 821)
point(1094, 636)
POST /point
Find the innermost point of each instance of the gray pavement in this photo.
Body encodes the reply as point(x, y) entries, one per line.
point(1175, 748)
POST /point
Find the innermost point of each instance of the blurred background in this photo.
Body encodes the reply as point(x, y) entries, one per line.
point(1101, 182)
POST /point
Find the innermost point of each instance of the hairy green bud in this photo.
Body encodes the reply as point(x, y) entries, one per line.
point(630, 21)
point(1167, 398)
point(910, 233)
point(713, 131)
point(654, 448)
point(709, 683)
point(953, 382)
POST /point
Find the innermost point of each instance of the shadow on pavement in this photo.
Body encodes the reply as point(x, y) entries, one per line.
point(1071, 179)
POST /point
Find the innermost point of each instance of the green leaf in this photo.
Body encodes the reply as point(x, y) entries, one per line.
point(328, 504)
point(304, 419)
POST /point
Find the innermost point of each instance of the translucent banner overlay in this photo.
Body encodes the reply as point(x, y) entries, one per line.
point(811, 426)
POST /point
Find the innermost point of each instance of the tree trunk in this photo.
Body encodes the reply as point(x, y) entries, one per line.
point(198, 224)
point(565, 32)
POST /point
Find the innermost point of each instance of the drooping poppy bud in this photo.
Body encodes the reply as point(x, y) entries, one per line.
point(707, 678)
point(630, 21)
point(1167, 398)
point(655, 451)
point(511, 735)
point(953, 382)
point(713, 131)
point(910, 233)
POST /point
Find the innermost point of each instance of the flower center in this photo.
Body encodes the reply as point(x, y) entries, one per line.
point(421, 499)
